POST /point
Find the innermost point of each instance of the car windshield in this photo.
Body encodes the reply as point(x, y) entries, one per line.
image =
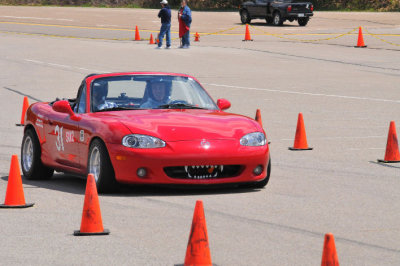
point(148, 92)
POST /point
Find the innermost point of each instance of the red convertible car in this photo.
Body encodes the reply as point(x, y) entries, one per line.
point(144, 128)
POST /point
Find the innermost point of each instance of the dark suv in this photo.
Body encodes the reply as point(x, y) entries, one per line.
point(276, 11)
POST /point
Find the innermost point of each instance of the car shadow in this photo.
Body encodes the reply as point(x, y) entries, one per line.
point(76, 185)
point(389, 165)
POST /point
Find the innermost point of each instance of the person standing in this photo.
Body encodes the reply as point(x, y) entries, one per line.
point(165, 15)
point(185, 19)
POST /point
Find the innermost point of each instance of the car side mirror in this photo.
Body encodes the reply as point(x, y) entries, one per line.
point(64, 107)
point(223, 104)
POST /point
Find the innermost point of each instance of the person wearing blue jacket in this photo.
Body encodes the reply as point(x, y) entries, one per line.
point(165, 15)
point(185, 20)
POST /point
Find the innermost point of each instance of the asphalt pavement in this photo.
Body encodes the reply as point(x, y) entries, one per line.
point(347, 95)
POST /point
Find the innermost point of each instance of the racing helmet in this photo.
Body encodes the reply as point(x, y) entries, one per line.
point(166, 84)
point(100, 89)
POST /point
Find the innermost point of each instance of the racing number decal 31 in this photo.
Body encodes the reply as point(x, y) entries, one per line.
point(59, 141)
point(69, 137)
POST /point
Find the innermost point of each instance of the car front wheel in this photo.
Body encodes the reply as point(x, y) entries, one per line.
point(32, 166)
point(245, 17)
point(100, 166)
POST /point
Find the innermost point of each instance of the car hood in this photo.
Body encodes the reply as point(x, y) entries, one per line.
point(187, 124)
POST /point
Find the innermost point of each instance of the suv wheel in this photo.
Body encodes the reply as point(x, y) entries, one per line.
point(245, 16)
point(277, 19)
point(303, 21)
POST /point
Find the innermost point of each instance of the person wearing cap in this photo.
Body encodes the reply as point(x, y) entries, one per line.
point(165, 15)
point(185, 19)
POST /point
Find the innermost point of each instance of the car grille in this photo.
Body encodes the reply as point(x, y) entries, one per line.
point(203, 171)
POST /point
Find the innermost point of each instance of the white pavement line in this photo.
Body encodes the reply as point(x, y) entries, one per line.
point(34, 61)
point(65, 66)
point(358, 149)
point(355, 137)
point(106, 25)
point(305, 93)
point(58, 65)
point(59, 19)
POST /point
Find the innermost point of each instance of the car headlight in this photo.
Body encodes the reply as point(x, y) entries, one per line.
point(253, 139)
point(142, 141)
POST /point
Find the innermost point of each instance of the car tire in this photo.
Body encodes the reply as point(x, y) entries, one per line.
point(277, 19)
point(99, 164)
point(303, 21)
point(245, 17)
point(269, 20)
point(31, 162)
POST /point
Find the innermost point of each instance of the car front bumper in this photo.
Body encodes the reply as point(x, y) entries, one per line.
point(191, 155)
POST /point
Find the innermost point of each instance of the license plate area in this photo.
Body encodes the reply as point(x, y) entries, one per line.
point(300, 15)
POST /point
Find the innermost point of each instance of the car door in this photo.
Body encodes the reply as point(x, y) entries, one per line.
point(261, 8)
point(61, 132)
point(85, 131)
point(252, 8)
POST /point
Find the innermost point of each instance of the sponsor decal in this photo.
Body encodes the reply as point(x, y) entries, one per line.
point(82, 135)
point(69, 137)
point(39, 122)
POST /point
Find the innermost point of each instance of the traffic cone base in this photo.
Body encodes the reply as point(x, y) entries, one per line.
point(79, 233)
point(383, 161)
point(27, 205)
point(294, 149)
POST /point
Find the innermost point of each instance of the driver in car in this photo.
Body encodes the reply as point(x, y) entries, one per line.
point(100, 92)
point(157, 95)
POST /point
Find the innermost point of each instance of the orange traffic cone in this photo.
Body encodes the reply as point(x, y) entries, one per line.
point(392, 154)
point(258, 117)
point(137, 35)
point(151, 39)
point(15, 193)
point(25, 106)
point(329, 255)
point(360, 42)
point(198, 251)
point(197, 37)
point(91, 223)
point(300, 141)
point(247, 34)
